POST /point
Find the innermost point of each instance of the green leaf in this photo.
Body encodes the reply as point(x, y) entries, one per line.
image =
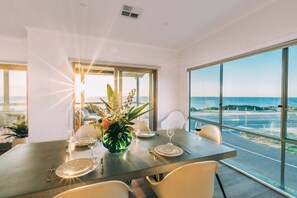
point(132, 118)
point(135, 113)
point(107, 105)
point(110, 94)
point(112, 99)
point(131, 109)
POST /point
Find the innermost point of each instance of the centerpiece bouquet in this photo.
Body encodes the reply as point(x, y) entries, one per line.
point(115, 125)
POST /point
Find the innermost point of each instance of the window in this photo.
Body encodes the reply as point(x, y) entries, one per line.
point(252, 93)
point(292, 94)
point(205, 93)
point(91, 82)
point(13, 95)
point(254, 102)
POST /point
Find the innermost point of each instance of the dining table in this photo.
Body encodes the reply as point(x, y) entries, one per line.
point(28, 170)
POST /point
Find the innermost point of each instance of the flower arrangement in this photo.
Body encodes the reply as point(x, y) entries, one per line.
point(115, 125)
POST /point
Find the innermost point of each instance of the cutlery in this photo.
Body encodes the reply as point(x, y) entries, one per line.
point(152, 152)
point(48, 179)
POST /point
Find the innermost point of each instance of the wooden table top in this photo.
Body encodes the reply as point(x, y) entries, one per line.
point(25, 168)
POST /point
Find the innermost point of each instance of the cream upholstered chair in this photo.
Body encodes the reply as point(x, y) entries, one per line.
point(86, 130)
point(191, 180)
point(175, 119)
point(214, 134)
point(109, 189)
point(141, 126)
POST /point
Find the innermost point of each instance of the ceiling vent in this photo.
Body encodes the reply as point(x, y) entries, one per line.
point(130, 11)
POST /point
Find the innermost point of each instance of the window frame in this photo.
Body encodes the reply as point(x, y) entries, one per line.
point(284, 99)
point(117, 70)
point(17, 67)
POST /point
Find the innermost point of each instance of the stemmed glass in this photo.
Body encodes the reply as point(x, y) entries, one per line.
point(70, 139)
point(92, 143)
point(170, 133)
point(197, 127)
point(135, 132)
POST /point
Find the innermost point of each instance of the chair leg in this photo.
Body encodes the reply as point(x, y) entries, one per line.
point(221, 186)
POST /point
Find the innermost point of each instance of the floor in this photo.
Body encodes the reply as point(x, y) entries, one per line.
point(235, 184)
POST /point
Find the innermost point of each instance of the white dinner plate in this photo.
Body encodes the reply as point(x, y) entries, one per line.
point(168, 150)
point(82, 141)
point(145, 134)
point(76, 168)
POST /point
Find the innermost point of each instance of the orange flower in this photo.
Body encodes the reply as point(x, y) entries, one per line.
point(105, 123)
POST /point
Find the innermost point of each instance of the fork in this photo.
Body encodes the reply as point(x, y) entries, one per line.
point(48, 179)
point(152, 152)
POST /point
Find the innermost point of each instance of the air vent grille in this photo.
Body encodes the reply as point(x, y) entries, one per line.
point(131, 12)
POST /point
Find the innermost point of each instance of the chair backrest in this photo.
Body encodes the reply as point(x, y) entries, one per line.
point(109, 189)
point(212, 133)
point(175, 119)
point(141, 125)
point(86, 130)
point(191, 180)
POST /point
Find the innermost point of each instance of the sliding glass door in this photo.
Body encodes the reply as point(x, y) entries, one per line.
point(142, 81)
point(205, 96)
point(91, 82)
point(290, 175)
point(13, 96)
point(254, 101)
point(251, 100)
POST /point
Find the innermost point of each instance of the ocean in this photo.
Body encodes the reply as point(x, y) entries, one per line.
point(262, 116)
point(15, 99)
point(200, 102)
point(204, 102)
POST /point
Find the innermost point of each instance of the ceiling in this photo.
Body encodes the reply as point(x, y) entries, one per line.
point(169, 24)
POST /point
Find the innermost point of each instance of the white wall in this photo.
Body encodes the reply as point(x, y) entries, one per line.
point(272, 25)
point(13, 50)
point(50, 81)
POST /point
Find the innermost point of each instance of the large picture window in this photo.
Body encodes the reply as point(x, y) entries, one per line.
point(253, 100)
point(91, 83)
point(13, 96)
point(205, 94)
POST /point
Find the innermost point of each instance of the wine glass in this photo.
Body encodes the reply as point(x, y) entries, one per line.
point(135, 132)
point(92, 143)
point(170, 133)
point(70, 139)
point(198, 127)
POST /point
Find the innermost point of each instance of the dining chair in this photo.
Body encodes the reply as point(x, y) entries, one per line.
point(175, 119)
point(191, 180)
point(86, 130)
point(214, 134)
point(108, 189)
point(141, 126)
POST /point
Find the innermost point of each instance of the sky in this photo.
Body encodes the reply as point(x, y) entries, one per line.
point(254, 76)
point(95, 86)
point(17, 83)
